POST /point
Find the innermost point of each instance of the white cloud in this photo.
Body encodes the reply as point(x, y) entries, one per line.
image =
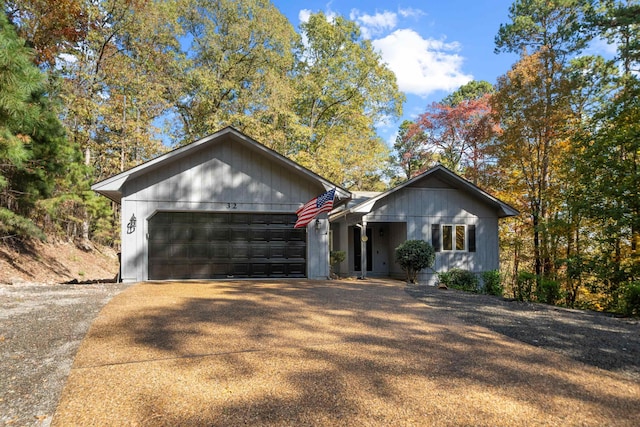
point(600, 46)
point(422, 66)
point(411, 12)
point(304, 15)
point(372, 25)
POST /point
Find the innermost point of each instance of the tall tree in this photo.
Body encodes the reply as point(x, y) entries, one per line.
point(533, 144)
point(555, 25)
point(607, 157)
point(618, 22)
point(471, 91)
point(409, 153)
point(32, 142)
point(458, 134)
point(548, 34)
point(113, 62)
point(343, 90)
point(51, 27)
point(237, 71)
point(114, 82)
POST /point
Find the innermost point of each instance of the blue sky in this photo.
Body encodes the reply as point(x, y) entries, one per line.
point(433, 47)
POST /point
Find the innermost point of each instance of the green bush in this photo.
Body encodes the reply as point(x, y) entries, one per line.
point(336, 257)
point(492, 282)
point(631, 299)
point(524, 286)
point(457, 278)
point(548, 291)
point(413, 256)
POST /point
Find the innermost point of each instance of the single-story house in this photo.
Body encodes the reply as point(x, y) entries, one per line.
point(224, 207)
point(438, 206)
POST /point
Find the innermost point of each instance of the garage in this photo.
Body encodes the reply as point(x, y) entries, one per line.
point(222, 207)
point(205, 245)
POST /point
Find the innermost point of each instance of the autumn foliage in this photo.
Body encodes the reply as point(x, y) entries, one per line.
point(91, 88)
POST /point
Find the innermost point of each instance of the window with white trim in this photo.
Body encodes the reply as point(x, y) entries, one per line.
point(453, 237)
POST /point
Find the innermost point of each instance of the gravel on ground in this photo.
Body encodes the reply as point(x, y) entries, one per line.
point(41, 327)
point(603, 340)
point(344, 353)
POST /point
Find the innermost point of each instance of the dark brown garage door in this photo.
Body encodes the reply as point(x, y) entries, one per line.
point(195, 245)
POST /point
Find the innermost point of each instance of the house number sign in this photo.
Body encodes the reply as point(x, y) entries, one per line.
point(232, 205)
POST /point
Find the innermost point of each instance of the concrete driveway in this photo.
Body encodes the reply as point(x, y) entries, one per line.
point(320, 353)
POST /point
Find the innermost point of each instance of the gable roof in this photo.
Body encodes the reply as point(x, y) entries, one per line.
point(112, 186)
point(442, 173)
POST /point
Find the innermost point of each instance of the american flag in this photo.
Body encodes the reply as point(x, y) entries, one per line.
point(315, 206)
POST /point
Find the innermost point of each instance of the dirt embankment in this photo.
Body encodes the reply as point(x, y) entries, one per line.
point(49, 263)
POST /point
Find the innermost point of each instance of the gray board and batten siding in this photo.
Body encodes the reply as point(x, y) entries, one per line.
point(416, 210)
point(223, 206)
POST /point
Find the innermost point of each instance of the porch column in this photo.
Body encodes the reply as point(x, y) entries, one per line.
point(363, 248)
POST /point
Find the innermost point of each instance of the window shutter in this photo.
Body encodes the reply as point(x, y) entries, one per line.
point(471, 230)
point(435, 236)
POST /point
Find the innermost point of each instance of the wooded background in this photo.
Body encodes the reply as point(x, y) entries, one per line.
point(91, 88)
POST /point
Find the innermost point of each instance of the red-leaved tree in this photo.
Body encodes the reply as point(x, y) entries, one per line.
point(459, 136)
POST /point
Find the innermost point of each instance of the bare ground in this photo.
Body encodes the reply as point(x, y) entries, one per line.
point(345, 353)
point(54, 263)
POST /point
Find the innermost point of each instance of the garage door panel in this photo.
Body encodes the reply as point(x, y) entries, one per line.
point(199, 251)
point(277, 250)
point(200, 270)
point(162, 218)
point(180, 271)
point(240, 251)
point(240, 270)
point(296, 269)
point(199, 234)
point(259, 250)
point(295, 251)
point(286, 235)
point(179, 251)
point(181, 217)
point(220, 251)
point(241, 218)
point(204, 218)
point(157, 270)
point(260, 218)
point(241, 234)
point(179, 234)
point(260, 269)
point(260, 235)
point(278, 235)
point(160, 234)
point(159, 250)
point(278, 269)
point(295, 235)
point(218, 234)
point(216, 219)
point(219, 245)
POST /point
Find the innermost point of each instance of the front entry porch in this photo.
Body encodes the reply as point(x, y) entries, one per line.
point(376, 253)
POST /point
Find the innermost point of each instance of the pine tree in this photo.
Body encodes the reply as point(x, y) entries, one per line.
point(33, 148)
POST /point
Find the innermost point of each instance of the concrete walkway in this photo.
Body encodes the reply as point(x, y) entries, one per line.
point(320, 353)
